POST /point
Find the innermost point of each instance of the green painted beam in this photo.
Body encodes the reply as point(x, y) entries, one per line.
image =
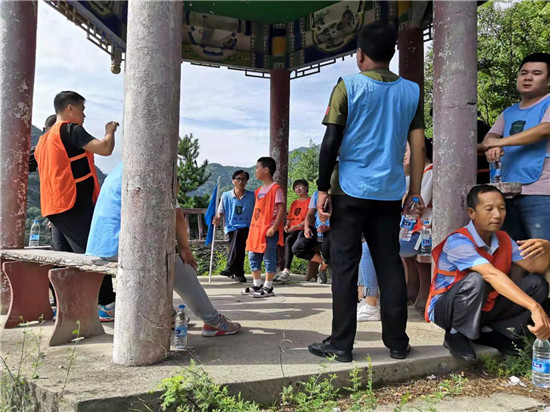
point(260, 11)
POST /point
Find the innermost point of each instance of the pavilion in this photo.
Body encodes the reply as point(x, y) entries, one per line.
point(276, 40)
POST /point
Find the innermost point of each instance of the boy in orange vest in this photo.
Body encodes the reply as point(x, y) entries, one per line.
point(266, 229)
point(68, 181)
point(472, 295)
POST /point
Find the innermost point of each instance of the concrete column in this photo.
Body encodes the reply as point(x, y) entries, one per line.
point(147, 238)
point(279, 119)
point(455, 98)
point(17, 61)
point(411, 56)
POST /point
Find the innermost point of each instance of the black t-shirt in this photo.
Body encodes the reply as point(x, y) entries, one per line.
point(74, 137)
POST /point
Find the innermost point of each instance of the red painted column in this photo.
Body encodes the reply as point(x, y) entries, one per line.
point(17, 61)
point(279, 120)
point(455, 99)
point(411, 56)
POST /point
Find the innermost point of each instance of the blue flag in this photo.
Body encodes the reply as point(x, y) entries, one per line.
point(209, 215)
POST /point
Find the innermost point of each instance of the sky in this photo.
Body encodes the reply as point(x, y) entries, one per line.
point(227, 111)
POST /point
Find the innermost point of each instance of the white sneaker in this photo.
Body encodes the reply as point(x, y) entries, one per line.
point(277, 276)
point(366, 312)
point(284, 276)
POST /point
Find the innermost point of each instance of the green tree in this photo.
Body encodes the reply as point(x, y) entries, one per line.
point(507, 32)
point(303, 165)
point(191, 175)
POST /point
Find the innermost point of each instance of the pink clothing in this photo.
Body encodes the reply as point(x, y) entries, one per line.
point(279, 199)
point(542, 185)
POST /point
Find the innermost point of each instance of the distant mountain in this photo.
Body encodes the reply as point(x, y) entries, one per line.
point(225, 172)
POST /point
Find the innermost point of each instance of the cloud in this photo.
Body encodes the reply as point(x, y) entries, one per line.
point(227, 111)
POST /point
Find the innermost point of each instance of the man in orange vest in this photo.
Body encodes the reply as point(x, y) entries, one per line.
point(68, 181)
point(472, 296)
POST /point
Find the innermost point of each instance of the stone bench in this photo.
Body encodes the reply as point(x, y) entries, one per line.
point(76, 280)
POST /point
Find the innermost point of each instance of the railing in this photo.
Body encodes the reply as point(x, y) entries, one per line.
point(200, 219)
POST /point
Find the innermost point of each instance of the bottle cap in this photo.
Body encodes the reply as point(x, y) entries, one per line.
point(415, 199)
point(181, 307)
point(426, 221)
point(36, 221)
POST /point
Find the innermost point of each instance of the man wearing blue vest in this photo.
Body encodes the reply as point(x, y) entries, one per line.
point(236, 208)
point(520, 139)
point(370, 117)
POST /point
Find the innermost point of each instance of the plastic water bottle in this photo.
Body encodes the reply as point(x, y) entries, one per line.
point(320, 235)
point(495, 172)
point(34, 238)
point(180, 328)
point(426, 239)
point(541, 364)
point(408, 221)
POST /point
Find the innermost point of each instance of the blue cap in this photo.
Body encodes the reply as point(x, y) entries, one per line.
point(415, 199)
point(181, 307)
point(36, 221)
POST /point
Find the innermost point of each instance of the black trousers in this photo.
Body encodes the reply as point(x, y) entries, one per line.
point(237, 246)
point(379, 222)
point(70, 232)
point(305, 248)
point(290, 239)
point(460, 307)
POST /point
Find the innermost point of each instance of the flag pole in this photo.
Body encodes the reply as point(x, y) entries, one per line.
point(214, 232)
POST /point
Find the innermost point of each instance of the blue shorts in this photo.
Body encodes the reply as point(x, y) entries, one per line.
point(269, 256)
point(367, 273)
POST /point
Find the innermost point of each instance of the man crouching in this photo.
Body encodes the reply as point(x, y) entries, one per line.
point(472, 296)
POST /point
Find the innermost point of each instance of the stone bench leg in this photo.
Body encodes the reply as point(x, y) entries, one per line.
point(30, 298)
point(76, 293)
point(5, 294)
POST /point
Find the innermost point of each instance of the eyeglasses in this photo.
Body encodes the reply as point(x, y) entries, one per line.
point(241, 179)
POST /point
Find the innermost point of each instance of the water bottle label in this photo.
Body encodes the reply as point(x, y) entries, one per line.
point(34, 237)
point(408, 224)
point(180, 331)
point(427, 243)
point(541, 365)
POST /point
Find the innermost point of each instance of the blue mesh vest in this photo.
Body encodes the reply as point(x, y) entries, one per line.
point(375, 137)
point(523, 163)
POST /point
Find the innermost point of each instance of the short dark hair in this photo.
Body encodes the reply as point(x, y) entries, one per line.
point(240, 172)
point(537, 58)
point(429, 143)
point(268, 162)
point(63, 99)
point(472, 199)
point(300, 182)
point(50, 121)
point(377, 40)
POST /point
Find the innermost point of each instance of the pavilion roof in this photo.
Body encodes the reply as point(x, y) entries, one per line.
point(239, 34)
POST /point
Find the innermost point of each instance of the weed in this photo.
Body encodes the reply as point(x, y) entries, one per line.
point(193, 390)
point(519, 365)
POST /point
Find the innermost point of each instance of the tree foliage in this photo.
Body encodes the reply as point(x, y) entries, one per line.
point(191, 175)
point(303, 164)
point(507, 32)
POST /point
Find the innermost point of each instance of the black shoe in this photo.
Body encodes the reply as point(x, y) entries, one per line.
point(459, 346)
point(326, 350)
point(400, 354)
point(241, 278)
point(497, 340)
point(226, 272)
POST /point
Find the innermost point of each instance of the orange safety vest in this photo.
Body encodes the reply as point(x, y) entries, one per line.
point(261, 221)
point(57, 183)
point(298, 212)
point(501, 259)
